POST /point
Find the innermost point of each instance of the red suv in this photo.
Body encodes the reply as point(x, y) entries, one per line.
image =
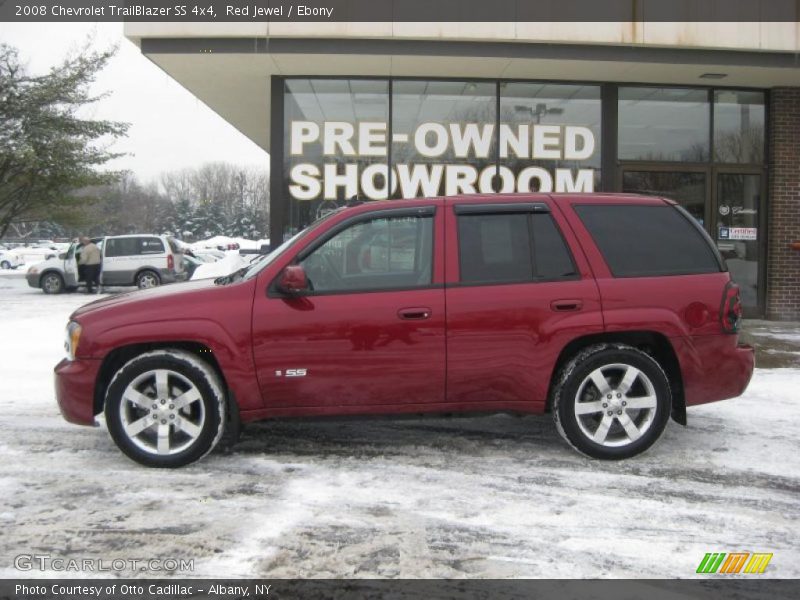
point(611, 312)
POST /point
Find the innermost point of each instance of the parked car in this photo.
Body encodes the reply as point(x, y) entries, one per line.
point(9, 260)
point(34, 253)
point(613, 313)
point(141, 260)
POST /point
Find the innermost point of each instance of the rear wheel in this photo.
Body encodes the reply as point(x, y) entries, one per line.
point(5, 265)
point(165, 408)
point(612, 401)
point(52, 283)
point(147, 279)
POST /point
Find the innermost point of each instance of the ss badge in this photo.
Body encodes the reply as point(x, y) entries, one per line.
point(292, 373)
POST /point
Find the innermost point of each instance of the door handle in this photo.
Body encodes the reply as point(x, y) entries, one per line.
point(414, 314)
point(566, 305)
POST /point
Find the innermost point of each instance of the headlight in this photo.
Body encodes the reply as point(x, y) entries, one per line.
point(73, 337)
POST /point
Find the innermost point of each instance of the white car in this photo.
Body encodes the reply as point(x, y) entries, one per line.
point(142, 260)
point(9, 260)
point(34, 254)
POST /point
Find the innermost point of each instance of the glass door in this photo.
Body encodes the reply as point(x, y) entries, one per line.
point(737, 231)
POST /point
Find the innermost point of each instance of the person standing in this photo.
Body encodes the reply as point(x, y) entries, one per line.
point(90, 261)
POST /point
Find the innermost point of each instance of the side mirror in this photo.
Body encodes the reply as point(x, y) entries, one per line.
point(293, 280)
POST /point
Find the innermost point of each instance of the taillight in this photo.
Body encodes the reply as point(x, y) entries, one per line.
point(170, 262)
point(731, 309)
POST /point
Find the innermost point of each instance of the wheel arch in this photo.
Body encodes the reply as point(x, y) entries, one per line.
point(653, 343)
point(115, 359)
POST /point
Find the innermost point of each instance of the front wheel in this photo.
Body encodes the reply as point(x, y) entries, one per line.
point(5, 265)
point(165, 408)
point(612, 401)
point(52, 283)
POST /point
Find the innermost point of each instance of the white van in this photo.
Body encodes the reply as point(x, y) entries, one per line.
point(142, 260)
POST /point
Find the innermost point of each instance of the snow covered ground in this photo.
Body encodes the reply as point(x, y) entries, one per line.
point(479, 497)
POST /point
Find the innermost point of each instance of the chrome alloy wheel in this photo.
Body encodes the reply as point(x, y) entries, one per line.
point(147, 281)
point(162, 412)
point(615, 405)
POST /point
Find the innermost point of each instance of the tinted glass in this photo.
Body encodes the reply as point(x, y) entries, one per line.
point(638, 241)
point(495, 248)
point(378, 254)
point(122, 247)
point(738, 126)
point(664, 124)
point(553, 260)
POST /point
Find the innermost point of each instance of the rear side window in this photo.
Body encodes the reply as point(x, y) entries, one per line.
point(134, 246)
point(151, 246)
point(122, 246)
point(512, 248)
point(644, 241)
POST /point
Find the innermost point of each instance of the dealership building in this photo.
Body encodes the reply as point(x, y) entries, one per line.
point(705, 113)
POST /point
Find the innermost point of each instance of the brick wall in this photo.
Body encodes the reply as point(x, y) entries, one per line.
point(783, 263)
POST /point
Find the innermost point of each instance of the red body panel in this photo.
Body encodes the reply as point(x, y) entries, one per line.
point(479, 347)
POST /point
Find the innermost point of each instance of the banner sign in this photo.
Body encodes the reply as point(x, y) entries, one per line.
point(446, 153)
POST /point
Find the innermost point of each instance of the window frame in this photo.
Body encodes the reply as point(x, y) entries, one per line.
point(531, 209)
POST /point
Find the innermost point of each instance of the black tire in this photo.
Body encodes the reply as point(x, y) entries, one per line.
point(52, 283)
point(5, 265)
point(609, 423)
point(209, 409)
point(147, 279)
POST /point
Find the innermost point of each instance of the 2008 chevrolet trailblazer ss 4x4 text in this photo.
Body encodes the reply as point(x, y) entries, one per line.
point(612, 312)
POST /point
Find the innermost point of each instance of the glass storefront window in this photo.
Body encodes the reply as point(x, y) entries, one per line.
point(335, 144)
point(549, 137)
point(443, 137)
point(686, 188)
point(664, 124)
point(738, 126)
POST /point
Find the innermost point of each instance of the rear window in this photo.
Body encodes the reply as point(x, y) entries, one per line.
point(642, 241)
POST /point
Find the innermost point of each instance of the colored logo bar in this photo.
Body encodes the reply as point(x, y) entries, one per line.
point(734, 563)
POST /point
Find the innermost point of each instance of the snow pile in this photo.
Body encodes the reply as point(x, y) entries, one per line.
point(233, 261)
point(225, 242)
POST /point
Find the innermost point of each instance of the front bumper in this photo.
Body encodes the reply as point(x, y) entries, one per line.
point(75, 382)
point(33, 279)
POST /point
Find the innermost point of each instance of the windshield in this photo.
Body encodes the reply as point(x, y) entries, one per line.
point(260, 263)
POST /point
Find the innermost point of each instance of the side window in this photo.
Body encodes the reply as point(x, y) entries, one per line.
point(512, 247)
point(122, 247)
point(495, 248)
point(379, 254)
point(150, 246)
point(648, 241)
